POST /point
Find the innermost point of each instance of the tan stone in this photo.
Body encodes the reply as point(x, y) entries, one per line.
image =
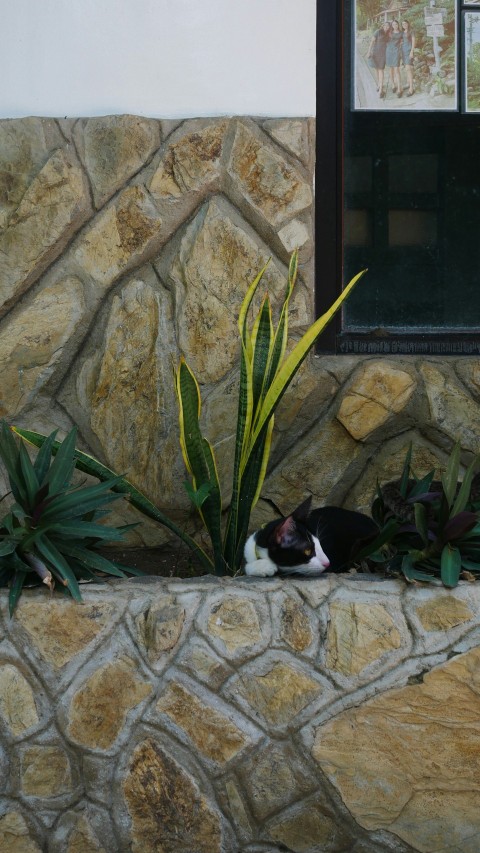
point(443, 612)
point(160, 629)
point(167, 810)
point(14, 835)
point(451, 408)
point(311, 828)
point(407, 760)
point(359, 634)
point(274, 777)
point(279, 694)
point(295, 626)
point(294, 235)
point(387, 466)
point(300, 473)
point(191, 163)
point(125, 398)
point(52, 209)
point(270, 184)
point(59, 630)
point(235, 622)
point(237, 808)
point(82, 839)
point(213, 734)
point(114, 149)
point(292, 134)
point(120, 236)
point(100, 706)
point(205, 665)
point(32, 343)
point(211, 273)
point(45, 771)
point(25, 146)
point(379, 391)
point(17, 703)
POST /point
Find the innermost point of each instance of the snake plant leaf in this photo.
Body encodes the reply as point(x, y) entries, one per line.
point(296, 357)
point(197, 496)
point(450, 566)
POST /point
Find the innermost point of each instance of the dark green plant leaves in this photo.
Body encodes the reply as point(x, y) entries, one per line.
point(450, 566)
point(52, 528)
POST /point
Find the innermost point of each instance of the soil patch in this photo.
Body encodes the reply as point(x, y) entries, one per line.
point(165, 562)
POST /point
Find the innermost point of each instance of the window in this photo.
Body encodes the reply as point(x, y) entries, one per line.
point(398, 184)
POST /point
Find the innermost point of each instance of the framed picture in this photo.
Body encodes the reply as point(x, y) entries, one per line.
point(471, 32)
point(405, 55)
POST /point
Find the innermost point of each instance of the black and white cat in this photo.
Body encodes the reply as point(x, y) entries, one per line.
point(308, 542)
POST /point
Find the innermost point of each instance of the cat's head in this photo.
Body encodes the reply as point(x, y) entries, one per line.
point(292, 547)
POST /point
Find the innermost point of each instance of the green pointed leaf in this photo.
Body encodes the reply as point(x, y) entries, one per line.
point(63, 465)
point(59, 565)
point(450, 566)
point(93, 561)
point(450, 477)
point(7, 546)
point(406, 472)
point(44, 458)
point(463, 496)
point(421, 521)
point(413, 574)
point(15, 590)
point(293, 361)
point(10, 456)
point(29, 476)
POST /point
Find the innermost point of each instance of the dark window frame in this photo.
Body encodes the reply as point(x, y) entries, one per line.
point(332, 43)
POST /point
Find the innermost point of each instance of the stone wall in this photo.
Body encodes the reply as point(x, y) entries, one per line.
point(126, 242)
point(241, 716)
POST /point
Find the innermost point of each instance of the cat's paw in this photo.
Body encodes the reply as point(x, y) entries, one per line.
point(261, 568)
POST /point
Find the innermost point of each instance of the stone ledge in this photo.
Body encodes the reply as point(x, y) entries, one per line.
point(217, 714)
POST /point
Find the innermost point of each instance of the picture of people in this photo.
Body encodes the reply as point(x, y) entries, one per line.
point(472, 57)
point(404, 55)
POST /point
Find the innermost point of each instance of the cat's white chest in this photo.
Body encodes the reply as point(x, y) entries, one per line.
point(257, 562)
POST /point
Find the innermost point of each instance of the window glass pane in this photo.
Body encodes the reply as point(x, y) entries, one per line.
point(410, 173)
point(357, 228)
point(472, 60)
point(412, 228)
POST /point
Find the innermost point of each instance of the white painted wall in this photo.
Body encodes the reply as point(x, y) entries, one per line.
point(158, 58)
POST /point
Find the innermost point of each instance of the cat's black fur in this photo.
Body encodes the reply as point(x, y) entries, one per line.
point(308, 541)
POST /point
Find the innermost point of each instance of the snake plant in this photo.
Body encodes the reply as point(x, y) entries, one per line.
point(265, 374)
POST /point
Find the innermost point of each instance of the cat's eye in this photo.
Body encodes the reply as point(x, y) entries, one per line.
point(308, 552)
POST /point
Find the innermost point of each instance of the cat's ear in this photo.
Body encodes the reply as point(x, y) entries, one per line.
point(284, 533)
point(303, 511)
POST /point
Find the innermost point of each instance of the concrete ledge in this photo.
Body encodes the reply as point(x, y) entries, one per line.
point(222, 716)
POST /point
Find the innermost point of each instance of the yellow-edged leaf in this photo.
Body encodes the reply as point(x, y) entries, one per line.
point(295, 359)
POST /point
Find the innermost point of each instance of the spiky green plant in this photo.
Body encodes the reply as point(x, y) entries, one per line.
point(265, 374)
point(436, 532)
point(51, 529)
